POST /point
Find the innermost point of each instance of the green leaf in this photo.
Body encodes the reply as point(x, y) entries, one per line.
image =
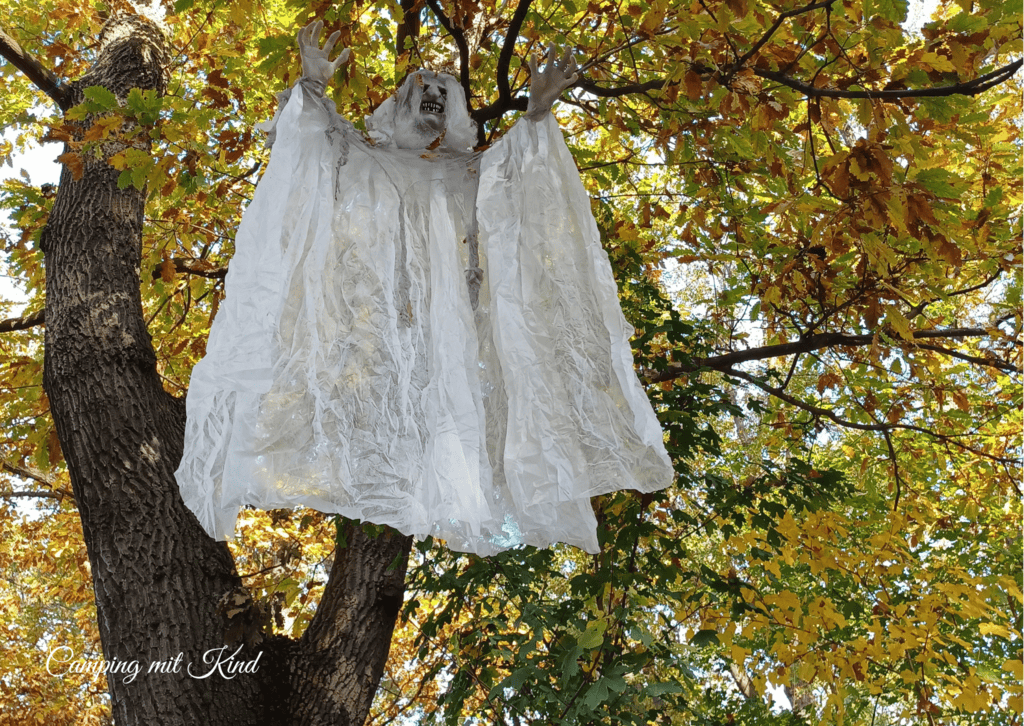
point(941, 182)
point(894, 10)
point(704, 638)
point(596, 694)
point(662, 689)
point(593, 636)
point(570, 664)
point(102, 97)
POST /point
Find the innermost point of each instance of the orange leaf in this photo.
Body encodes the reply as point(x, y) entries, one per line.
point(694, 85)
point(167, 271)
point(73, 161)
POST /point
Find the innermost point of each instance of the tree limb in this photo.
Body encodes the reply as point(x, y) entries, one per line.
point(505, 58)
point(38, 495)
point(978, 360)
point(596, 90)
point(24, 322)
point(44, 79)
point(725, 362)
point(408, 29)
point(187, 266)
point(26, 473)
point(817, 411)
point(519, 103)
point(37, 476)
point(966, 88)
point(460, 42)
point(883, 428)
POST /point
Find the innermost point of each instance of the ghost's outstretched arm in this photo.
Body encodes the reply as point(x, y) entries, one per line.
point(317, 71)
point(317, 68)
point(547, 85)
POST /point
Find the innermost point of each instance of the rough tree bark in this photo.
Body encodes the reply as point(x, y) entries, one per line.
point(157, 576)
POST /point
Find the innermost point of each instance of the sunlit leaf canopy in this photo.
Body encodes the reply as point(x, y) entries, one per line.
point(813, 214)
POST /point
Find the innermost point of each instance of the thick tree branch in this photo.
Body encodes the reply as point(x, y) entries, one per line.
point(199, 268)
point(596, 90)
point(497, 109)
point(460, 42)
point(408, 29)
point(44, 79)
point(966, 88)
point(24, 322)
point(977, 360)
point(37, 495)
point(725, 363)
point(505, 58)
point(37, 476)
point(351, 630)
point(519, 103)
point(26, 473)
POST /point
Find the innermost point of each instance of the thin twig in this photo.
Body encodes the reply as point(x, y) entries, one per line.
point(783, 17)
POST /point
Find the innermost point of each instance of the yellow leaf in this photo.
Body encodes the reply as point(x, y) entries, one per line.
point(899, 323)
point(240, 13)
point(938, 62)
point(994, 629)
point(739, 654)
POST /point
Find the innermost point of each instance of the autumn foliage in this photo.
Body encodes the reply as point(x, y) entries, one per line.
point(813, 214)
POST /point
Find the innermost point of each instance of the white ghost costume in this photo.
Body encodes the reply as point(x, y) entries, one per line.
point(348, 369)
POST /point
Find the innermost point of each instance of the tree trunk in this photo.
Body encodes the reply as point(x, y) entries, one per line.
point(158, 577)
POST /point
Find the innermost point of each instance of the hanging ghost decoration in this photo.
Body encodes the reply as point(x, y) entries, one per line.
point(417, 335)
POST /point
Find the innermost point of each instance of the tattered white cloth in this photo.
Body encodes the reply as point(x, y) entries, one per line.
point(348, 370)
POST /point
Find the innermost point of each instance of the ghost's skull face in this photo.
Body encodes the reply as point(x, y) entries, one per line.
point(433, 106)
point(423, 110)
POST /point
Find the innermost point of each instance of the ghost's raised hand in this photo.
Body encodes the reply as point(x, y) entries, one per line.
point(317, 67)
point(547, 85)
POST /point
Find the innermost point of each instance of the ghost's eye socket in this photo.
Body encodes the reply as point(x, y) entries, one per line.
point(444, 92)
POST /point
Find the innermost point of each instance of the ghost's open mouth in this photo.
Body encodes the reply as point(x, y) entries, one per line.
point(431, 107)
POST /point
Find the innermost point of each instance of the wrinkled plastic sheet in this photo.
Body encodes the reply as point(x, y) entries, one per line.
point(348, 371)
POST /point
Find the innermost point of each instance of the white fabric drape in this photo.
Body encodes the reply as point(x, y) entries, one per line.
point(347, 370)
